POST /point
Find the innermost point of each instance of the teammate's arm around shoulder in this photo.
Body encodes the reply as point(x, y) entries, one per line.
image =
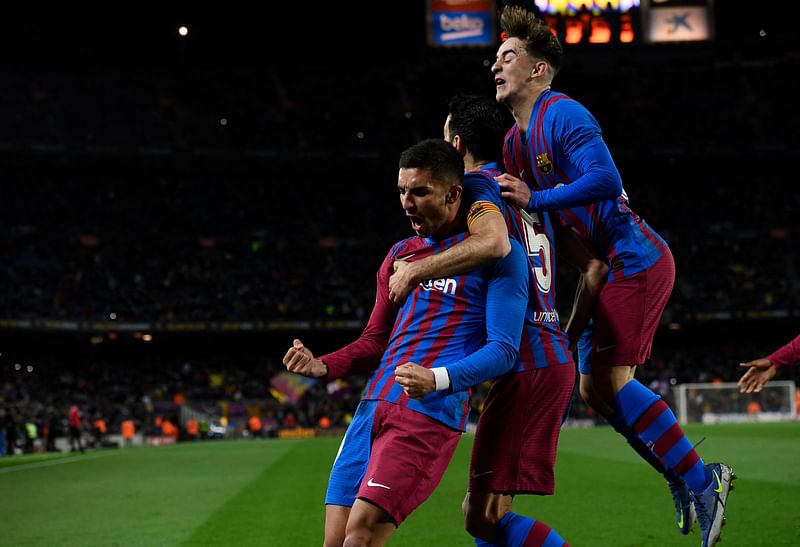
point(506, 302)
point(488, 241)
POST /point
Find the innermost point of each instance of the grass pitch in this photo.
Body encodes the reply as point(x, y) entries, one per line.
point(271, 493)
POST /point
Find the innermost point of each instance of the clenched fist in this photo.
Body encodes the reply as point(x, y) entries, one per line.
point(300, 360)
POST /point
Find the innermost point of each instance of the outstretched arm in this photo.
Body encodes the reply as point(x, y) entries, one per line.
point(488, 241)
point(761, 371)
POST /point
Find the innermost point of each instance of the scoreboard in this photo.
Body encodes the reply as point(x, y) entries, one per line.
point(626, 21)
point(592, 22)
point(473, 22)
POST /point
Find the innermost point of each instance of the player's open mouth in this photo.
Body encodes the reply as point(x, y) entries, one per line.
point(499, 81)
point(416, 223)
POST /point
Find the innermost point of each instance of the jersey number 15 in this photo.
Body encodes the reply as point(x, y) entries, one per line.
point(539, 249)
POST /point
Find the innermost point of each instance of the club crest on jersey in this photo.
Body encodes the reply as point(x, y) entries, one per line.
point(543, 163)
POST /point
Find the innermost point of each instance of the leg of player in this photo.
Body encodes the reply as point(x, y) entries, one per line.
point(489, 520)
point(368, 525)
point(655, 424)
point(684, 510)
point(346, 474)
point(335, 525)
point(482, 512)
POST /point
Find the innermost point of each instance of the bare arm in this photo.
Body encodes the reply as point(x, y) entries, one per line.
point(761, 371)
point(594, 273)
point(488, 242)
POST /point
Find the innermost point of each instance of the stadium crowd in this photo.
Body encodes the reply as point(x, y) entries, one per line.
point(239, 195)
point(226, 189)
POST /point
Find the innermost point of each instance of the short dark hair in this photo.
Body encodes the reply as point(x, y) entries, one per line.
point(482, 123)
point(444, 161)
point(518, 22)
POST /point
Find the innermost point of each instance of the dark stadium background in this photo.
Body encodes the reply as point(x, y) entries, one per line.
point(123, 192)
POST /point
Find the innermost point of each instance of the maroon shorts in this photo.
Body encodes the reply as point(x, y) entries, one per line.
point(410, 452)
point(517, 436)
point(628, 314)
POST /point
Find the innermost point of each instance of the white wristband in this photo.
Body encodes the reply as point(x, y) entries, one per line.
point(442, 378)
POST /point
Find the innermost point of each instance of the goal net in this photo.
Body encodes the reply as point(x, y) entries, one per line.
point(711, 403)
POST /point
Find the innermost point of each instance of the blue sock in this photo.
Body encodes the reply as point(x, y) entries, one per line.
point(655, 424)
point(616, 421)
point(516, 530)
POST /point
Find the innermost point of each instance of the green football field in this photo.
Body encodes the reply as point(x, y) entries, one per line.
point(270, 492)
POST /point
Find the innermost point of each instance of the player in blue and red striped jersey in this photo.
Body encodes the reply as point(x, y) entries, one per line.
point(556, 148)
point(517, 436)
point(450, 334)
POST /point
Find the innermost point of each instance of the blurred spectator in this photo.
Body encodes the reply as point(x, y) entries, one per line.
point(75, 428)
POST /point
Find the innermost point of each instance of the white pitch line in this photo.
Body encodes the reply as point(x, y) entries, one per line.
point(25, 467)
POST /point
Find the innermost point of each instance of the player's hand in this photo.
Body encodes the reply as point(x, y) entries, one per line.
point(759, 373)
point(415, 380)
point(402, 281)
point(300, 360)
point(515, 191)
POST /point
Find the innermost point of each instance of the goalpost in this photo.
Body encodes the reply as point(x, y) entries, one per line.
point(711, 403)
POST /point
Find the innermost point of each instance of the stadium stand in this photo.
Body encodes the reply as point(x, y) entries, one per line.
point(223, 196)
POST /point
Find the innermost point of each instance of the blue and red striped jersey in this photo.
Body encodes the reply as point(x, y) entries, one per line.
point(562, 154)
point(471, 324)
point(543, 342)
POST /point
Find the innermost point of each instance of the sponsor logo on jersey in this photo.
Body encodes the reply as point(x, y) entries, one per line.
point(546, 316)
point(447, 285)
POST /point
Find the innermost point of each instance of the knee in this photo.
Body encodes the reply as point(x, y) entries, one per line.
point(333, 540)
point(357, 538)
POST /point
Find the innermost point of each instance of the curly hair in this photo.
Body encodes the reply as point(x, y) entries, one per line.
point(518, 22)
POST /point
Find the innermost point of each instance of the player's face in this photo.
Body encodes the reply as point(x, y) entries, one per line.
point(424, 200)
point(512, 69)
